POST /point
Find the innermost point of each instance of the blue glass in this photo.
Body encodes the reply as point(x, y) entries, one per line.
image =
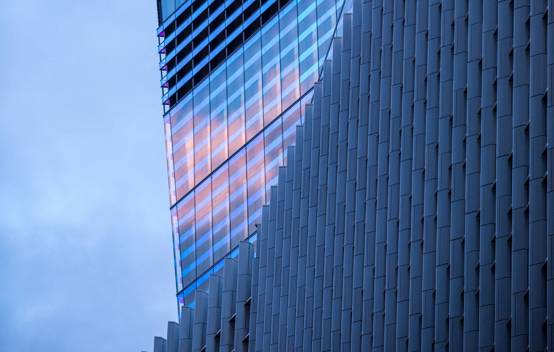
point(202, 160)
point(288, 36)
point(183, 147)
point(237, 197)
point(235, 102)
point(271, 71)
point(203, 225)
point(253, 87)
point(307, 44)
point(168, 7)
point(227, 137)
point(186, 230)
point(256, 181)
point(218, 116)
point(273, 140)
point(220, 212)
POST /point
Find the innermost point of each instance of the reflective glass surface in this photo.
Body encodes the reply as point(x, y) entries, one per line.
point(226, 139)
point(225, 207)
point(256, 83)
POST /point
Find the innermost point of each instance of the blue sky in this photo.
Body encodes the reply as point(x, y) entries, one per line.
point(85, 247)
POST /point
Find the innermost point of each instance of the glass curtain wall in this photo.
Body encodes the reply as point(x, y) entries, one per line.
point(226, 139)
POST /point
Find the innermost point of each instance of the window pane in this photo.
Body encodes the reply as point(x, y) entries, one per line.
point(253, 87)
point(185, 213)
point(183, 147)
point(307, 38)
point(203, 205)
point(271, 71)
point(256, 181)
point(326, 18)
point(235, 101)
point(290, 89)
point(237, 198)
point(218, 97)
point(273, 154)
point(176, 247)
point(168, 7)
point(202, 131)
point(220, 202)
point(169, 158)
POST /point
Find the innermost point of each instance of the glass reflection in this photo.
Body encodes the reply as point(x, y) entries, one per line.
point(176, 247)
point(203, 241)
point(326, 20)
point(185, 213)
point(237, 197)
point(183, 147)
point(202, 131)
point(169, 159)
point(220, 202)
point(289, 55)
point(271, 71)
point(253, 86)
point(218, 121)
point(273, 153)
point(256, 181)
point(236, 113)
point(235, 102)
point(307, 43)
point(290, 66)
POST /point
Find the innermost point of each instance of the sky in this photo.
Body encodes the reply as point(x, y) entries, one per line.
point(85, 239)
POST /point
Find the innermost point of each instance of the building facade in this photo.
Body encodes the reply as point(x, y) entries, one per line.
point(415, 211)
point(235, 75)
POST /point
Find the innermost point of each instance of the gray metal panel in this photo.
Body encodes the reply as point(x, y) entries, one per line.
point(214, 314)
point(200, 321)
point(185, 329)
point(159, 344)
point(243, 302)
point(228, 304)
point(172, 337)
point(361, 27)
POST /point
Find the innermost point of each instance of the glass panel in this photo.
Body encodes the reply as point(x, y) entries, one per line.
point(271, 71)
point(326, 18)
point(256, 181)
point(253, 87)
point(289, 56)
point(202, 131)
point(220, 201)
point(218, 96)
point(179, 2)
point(307, 38)
point(189, 297)
point(204, 283)
point(168, 7)
point(235, 100)
point(273, 154)
point(259, 81)
point(203, 204)
point(169, 158)
point(176, 249)
point(185, 214)
point(237, 198)
point(183, 147)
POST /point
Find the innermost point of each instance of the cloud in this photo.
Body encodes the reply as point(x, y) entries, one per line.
point(85, 244)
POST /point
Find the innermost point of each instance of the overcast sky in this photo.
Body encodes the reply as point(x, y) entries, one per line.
point(85, 242)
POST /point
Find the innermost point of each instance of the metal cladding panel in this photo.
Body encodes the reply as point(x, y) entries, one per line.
point(416, 212)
